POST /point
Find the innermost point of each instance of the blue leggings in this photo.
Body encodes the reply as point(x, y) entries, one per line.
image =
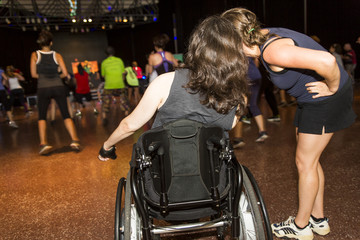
point(254, 94)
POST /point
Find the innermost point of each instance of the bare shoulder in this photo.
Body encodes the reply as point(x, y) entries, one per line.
point(165, 79)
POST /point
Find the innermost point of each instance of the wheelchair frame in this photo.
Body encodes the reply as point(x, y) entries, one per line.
point(245, 211)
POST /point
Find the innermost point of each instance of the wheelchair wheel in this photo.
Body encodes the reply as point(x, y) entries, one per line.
point(251, 221)
point(119, 211)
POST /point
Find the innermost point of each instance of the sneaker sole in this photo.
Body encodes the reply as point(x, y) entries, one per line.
point(321, 232)
point(290, 236)
point(46, 150)
point(272, 120)
point(262, 139)
point(239, 145)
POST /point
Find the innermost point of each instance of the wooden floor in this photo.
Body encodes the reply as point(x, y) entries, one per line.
point(70, 195)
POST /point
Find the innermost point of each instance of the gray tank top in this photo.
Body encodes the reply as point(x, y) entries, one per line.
point(47, 69)
point(183, 105)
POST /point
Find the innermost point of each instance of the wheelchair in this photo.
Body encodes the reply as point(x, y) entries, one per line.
point(185, 179)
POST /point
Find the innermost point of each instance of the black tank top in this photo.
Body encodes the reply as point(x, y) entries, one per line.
point(183, 105)
point(47, 69)
point(165, 66)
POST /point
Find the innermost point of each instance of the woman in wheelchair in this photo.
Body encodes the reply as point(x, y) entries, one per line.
point(183, 169)
point(204, 91)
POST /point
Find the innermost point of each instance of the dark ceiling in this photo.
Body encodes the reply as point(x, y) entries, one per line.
point(76, 15)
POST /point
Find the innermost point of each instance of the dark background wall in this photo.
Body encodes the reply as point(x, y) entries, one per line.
point(331, 20)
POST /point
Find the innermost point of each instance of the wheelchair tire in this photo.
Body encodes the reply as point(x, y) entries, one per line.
point(265, 215)
point(251, 222)
point(119, 211)
point(132, 221)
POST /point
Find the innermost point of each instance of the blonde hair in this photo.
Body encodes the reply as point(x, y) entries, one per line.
point(247, 25)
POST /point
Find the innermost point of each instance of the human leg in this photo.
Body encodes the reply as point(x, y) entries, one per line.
point(124, 103)
point(61, 100)
point(136, 95)
point(43, 97)
point(105, 106)
point(237, 132)
point(311, 177)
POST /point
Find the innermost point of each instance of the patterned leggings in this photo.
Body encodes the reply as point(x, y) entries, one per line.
point(107, 98)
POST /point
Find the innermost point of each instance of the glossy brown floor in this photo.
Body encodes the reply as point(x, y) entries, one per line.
point(70, 195)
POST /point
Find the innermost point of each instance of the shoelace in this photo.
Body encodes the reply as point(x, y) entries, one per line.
point(287, 222)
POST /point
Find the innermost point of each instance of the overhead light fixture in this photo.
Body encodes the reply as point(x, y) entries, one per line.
point(33, 20)
point(35, 28)
point(84, 20)
point(125, 20)
point(120, 19)
point(116, 19)
point(27, 20)
point(45, 20)
point(56, 27)
point(133, 25)
point(23, 28)
point(145, 18)
point(38, 20)
point(73, 20)
point(131, 19)
point(7, 21)
point(89, 20)
point(48, 28)
point(110, 26)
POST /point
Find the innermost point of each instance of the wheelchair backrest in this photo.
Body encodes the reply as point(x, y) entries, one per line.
point(183, 145)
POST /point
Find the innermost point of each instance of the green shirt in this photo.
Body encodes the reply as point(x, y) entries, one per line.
point(112, 68)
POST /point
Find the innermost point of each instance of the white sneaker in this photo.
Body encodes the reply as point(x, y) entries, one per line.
point(322, 227)
point(13, 124)
point(288, 229)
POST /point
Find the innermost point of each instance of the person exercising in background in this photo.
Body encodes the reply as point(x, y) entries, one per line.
point(113, 71)
point(162, 61)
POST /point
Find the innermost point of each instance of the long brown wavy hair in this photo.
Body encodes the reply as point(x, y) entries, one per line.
point(218, 67)
point(247, 26)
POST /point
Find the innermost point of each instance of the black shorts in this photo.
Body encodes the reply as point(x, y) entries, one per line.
point(80, 96)
point(333, 114)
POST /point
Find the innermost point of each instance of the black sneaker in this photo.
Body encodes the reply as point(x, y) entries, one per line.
point(282, 104)
point(262, 136)
point(238, 143)
point(275, 118)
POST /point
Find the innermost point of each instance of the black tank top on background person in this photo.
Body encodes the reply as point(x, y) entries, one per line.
point(165, 66)
point(47, 69)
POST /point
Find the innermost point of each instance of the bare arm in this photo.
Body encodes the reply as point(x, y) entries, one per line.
point(173, 59)
point(154, 96)
point(284, 54)
point(60, 60)
point(19, 77)
point(33, 60)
